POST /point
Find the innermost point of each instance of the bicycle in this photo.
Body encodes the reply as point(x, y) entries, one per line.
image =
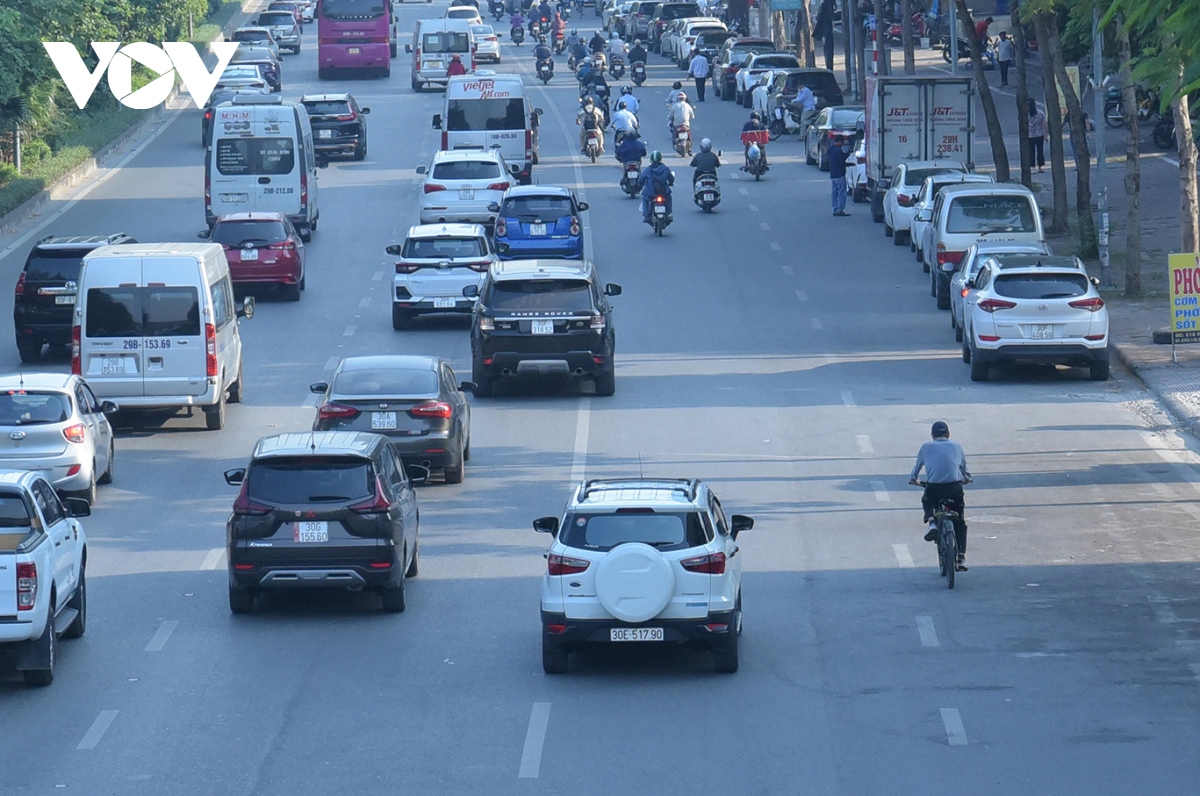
point(945, 519)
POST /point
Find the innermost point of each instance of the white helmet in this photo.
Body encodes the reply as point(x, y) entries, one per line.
point(705, 145)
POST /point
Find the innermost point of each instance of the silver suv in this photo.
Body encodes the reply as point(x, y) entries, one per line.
point(648, 561)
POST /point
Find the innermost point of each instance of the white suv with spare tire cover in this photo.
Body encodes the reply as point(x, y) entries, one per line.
point(642, 560)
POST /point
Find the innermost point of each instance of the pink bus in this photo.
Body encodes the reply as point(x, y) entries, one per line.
point(355, 34)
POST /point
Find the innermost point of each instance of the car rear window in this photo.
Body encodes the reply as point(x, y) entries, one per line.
point(277, 18)
point(679, 10)
point(54, 266)
point(846, 118)
point(713, 38)
point(241, 72)
point(666, 531)
point(977, 214)
point(443, 248)
point(14, 513)
point(486, 114)
point(142, 311)
point(466, 170)
point(560, 295)
point(396, 382)
point(482, 30)
point(327, 108)
point(917, 176)
point(310, 479)
point(21, 408)
point(239, 233)
point(462, 12)
point(1040, 286)
point(241, 156)
point(775, 62)
point(250, 36)
point(546, 207)
point(446, 42)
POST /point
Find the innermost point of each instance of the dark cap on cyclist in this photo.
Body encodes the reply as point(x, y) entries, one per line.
point(940, 430)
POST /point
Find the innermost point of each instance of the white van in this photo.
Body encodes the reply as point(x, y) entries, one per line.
point(486, 110)
point(156, 327)
point(434, 42)
point(261, 158)
point(975, 212)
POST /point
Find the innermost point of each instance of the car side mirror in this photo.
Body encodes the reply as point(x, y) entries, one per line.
point(422, 170)
point(318, 386)
point(467, 386)
point(236, 476)
point(546, 525)
point(437, 121)
point(417, 473)
point(364, 111)
point(79, 507)
point(247, 309)
point(109, 407)
point(493, 207)
point(1095, 281)
point(394, 249)
point(885, 184)
point(305, 234)
point(322, 160)
point(612, 289)
point(739, 523)
point(515, 169)
point(538, 111)
point(203, 234)
point(924, 215)
point(582, 206)
point(471, 291)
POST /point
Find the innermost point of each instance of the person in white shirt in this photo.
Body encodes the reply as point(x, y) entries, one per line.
point(616, 46)
point(629, 101)
point(673, 96)
point(624, 121)
point(698, 70)
point(680, 114)
point(1004, 56)
point(808, 105)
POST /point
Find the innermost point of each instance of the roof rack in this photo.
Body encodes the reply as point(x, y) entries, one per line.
point(689, 487)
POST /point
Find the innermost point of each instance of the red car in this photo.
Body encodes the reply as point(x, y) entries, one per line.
point(262, 249)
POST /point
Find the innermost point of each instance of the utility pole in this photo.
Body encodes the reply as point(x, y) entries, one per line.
point(954, 37)
point(1098, 82)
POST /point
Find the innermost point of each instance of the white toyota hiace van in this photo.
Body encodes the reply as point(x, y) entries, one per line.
point(156, 327)
point(434, 42)
point(262, 159)
point(485, 110)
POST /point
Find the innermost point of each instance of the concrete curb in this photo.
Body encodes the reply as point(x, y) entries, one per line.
point(1184, 416)
point(11, 222)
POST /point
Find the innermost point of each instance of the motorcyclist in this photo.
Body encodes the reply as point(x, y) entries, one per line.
point(579, 55)
point(542, 52)
point(590, 118)
point(704, 162)
point(946, 471)
point(631, 148)
point(806, 102)
point(516, 22)
point(754, 125)
point(616, 47)
point(624, 123)
point(656, 179)
point(638, 53)
point(595, 84)
point(629, 101)
point(456, 66)
point(557, 26)
point(673, 96)
point(597, 43)
point(680, 114)
point(574, 39)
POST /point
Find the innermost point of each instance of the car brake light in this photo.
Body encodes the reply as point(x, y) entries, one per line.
point(480, 266)
point(303, 189)
point(1094, 304)
point(286, 245)
point(991, 305)
point(903, 200)
point(501, 227)
point(1094, 337)
point(436, 409)
point(565, 565)
point(75, 364)
point(406, 268)
point(347, 117)
point(597, 321)
point(487, 323)
point(430, 187)
point(445, 140)
point(711, 564)
point(74, 433)
point(499, 186)
point(947, 258)
point(19, 290)
point(336, 412)
point(988, 338)
point(246, 507)
point(575, 229)
point(376, 504)
point(26, 586)
point(210, 347)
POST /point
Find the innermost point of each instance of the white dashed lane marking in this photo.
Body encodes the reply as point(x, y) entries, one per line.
point(213, 559)
point(763, 225)
point(903, 557)
point(776, 247)
point(955, 733)
point(815, 323)
point(331, 363)
point(800, 294)
point(787, 269)
point(159, 640)
point(349, 331)
point(864, 444)
point(927, 631)
point(753, 208)
point(881, 493)
point(378, 277)
point(100, 726)
point(366, 302)
point(535, 739)
point(848, 398)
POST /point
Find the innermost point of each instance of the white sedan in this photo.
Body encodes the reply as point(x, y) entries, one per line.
point(753, 68)
point(898, 201)
point(487, 43)
point(461, 184)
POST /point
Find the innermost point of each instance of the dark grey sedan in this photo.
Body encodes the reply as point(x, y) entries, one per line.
point(415, 401)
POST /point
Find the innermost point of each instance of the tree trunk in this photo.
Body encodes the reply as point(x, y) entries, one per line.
point(1079, 144)
point(804, 39)
point(1019, 45)
point(1058, 169)
point(880, 39)
point(778, 35)
point(995, 131)
point(1189, 217)
point(848, 48)
point(906, 30)
point(1133, 170)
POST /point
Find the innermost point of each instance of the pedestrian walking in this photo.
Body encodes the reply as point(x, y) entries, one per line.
point(1037, 136)
point(823, 31)
point(1004, 55)
point(837, 175)
point(698, 70)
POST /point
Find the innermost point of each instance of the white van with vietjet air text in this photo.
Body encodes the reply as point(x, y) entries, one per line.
point(487, 110)
point(156, 327)
point(261, 159)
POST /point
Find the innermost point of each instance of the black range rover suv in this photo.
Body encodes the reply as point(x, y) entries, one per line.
point(539, 318)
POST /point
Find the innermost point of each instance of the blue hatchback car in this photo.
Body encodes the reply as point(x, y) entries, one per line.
point(535, 221)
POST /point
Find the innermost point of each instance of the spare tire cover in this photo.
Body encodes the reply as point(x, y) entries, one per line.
point(634, 582)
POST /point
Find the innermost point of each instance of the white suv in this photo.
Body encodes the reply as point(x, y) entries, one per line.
point(436, 261)
point(642, 561)
point(1035, 308)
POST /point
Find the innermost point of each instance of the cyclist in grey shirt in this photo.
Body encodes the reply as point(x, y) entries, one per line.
point(946, 471)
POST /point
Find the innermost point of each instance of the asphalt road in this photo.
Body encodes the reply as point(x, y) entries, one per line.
point(793, 360)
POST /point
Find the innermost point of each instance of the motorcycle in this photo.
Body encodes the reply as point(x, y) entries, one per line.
point(785, 120)
point(1114, 109)
point(706, 192)
point(895, 31)
point(560, 43)
point(756, 153)
point(630, 172)
point(497, 8)
point(517, 34)
point(545, 71)
point(964, 52)
point(639, 72)
point(617, 69)
point(682, 140)
point(593, 144)
point(598, 63)
point(659, 219)
point(1164, 132)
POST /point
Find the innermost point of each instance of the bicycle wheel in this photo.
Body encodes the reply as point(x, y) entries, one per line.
point(950, 545)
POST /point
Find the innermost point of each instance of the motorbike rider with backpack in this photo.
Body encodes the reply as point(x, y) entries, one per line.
point(590, 118)
point(655, 181)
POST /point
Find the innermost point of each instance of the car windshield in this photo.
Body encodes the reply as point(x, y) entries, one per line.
point(559, 295)
point(48, 265)
point(531, 207)
point(389, 382)
point(442, 248)
point(466, 170)
point(1040, 286)
point(265, 156)
point(327, 107)
point(256, 233)
point(486, 114)
point(666, 531)
point(445, 42)
point(21, 408)
point(981, 214)
point(13, 514)
point(309, 479)
point(917, 176)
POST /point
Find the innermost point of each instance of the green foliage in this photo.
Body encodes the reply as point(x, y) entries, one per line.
point(34, 152)
point(8, 172)
point(1171, 29)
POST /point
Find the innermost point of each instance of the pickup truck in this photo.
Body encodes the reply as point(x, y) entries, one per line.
point(43, 553)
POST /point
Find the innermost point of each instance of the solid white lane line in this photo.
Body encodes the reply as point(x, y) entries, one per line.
point(378, 277)
point(903, 557)
point(815, 323)
point(864, 443)
point(213, 559)
point(366, 302)
point(955, 733)
point(847, 398)
point(776, 247)
point(97, 730)
point(800, 294)
point(927, 631)
point(764, 226)
point(753, 208)
point(350, 330)
point(161, 635)
point(787, 269)
point(881, 493)
point(331, 363)
point(582, 422)
point(535, 738)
